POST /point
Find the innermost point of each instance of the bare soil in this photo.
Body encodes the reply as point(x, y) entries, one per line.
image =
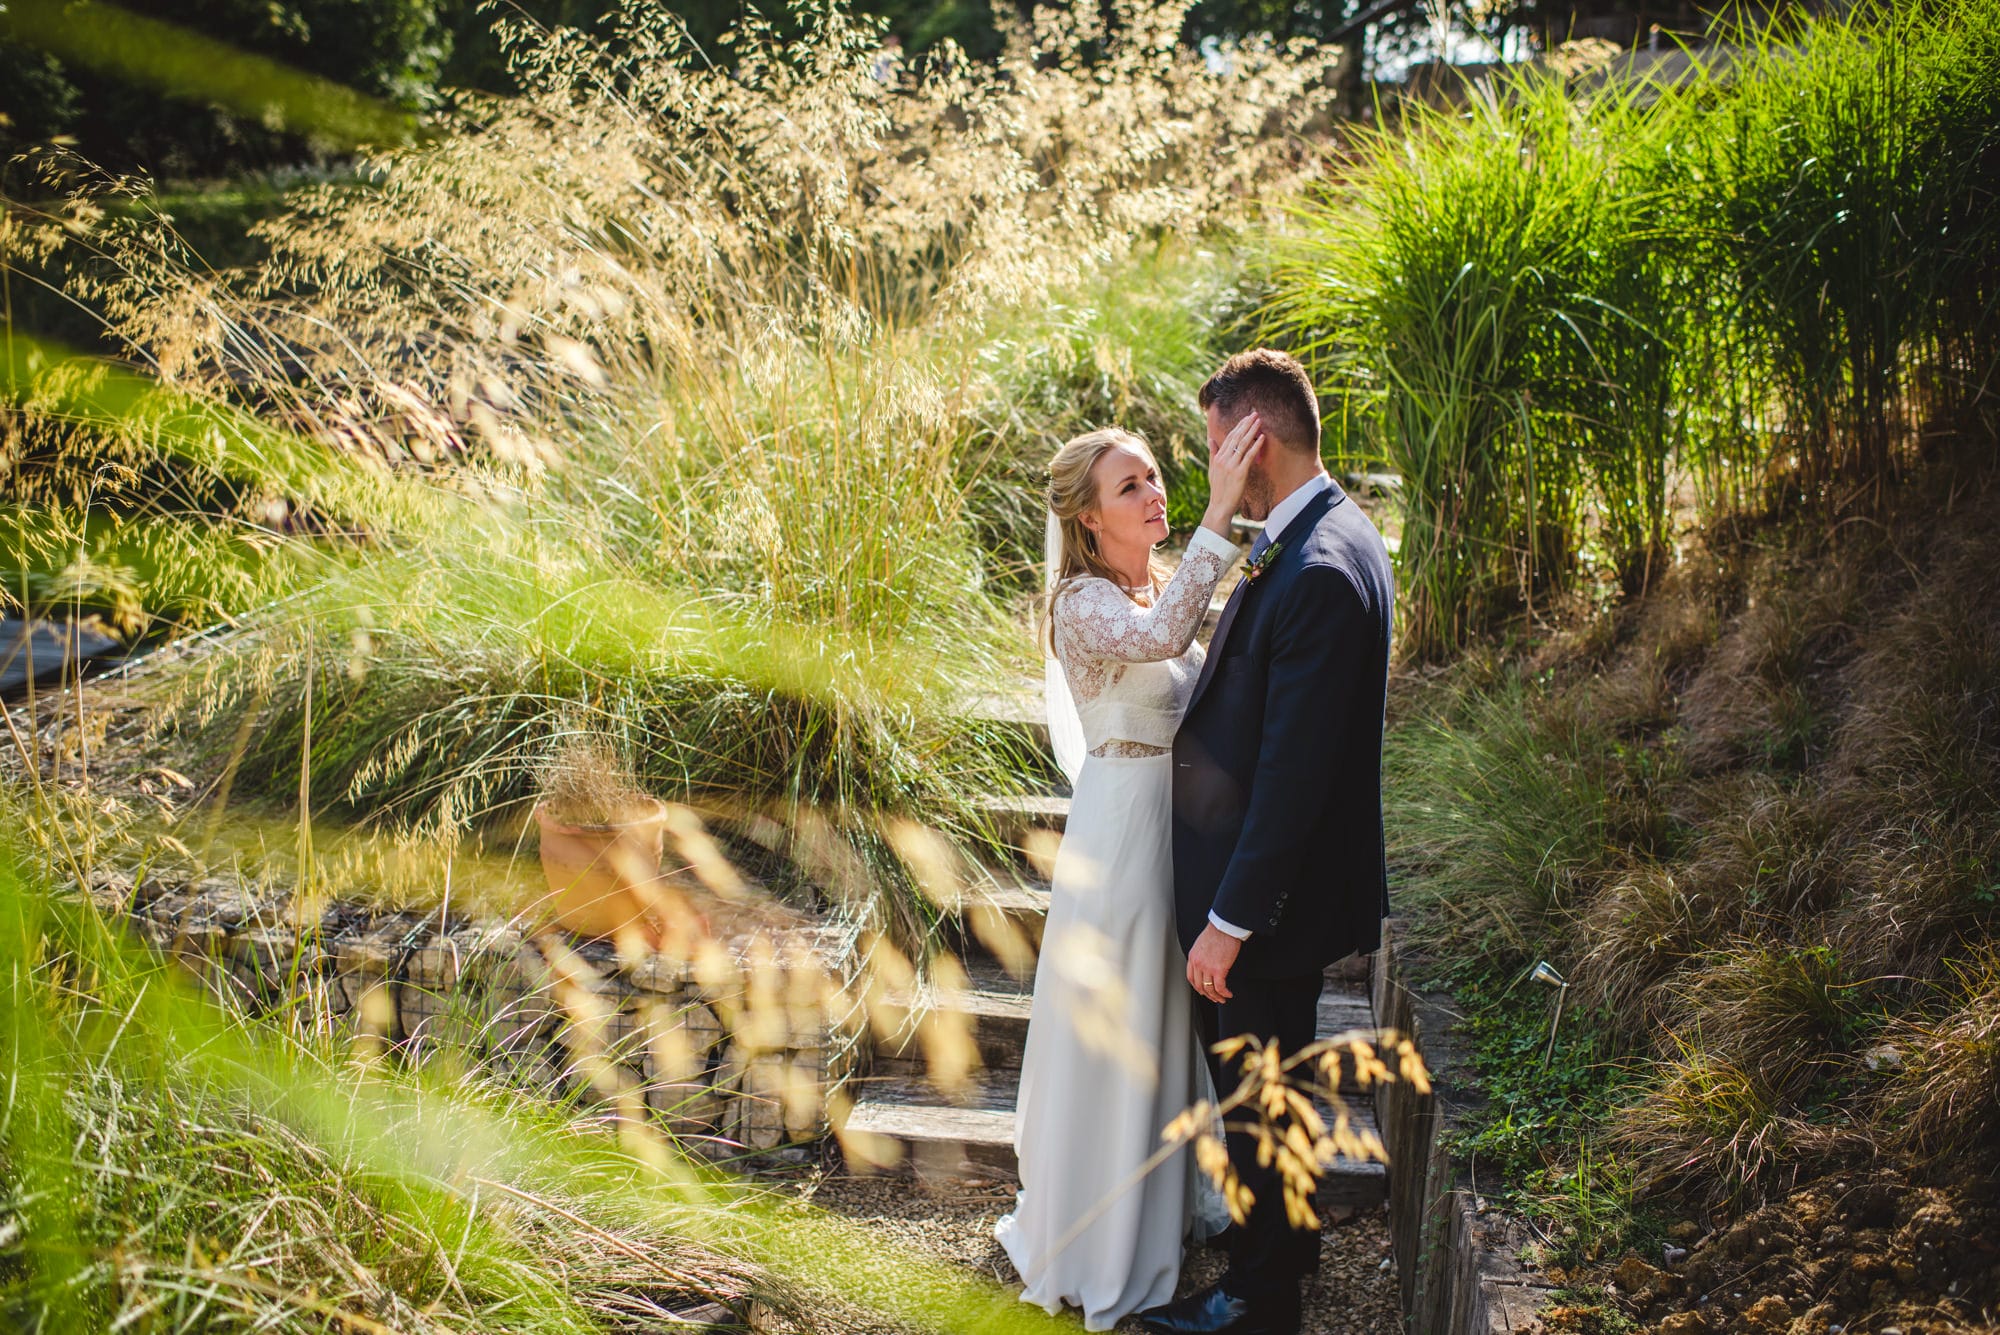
point(1864, 1252)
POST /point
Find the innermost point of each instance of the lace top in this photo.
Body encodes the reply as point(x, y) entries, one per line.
point(1130, 667)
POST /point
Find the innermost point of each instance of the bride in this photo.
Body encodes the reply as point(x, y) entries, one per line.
point(1112, 1055)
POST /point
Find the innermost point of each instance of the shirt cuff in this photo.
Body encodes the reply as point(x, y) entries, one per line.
point(1215, 542)
point(1228, 928)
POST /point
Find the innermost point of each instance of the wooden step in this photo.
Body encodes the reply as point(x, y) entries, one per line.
point(1000, 919)
point(1018, 813)
point(975, 1139)
point(1014, 892)
point(997, 1007)
point(1021, 707)
point(941, 1138)
point(1351, 1185)
point(973, 1133)
point(1341, 1010)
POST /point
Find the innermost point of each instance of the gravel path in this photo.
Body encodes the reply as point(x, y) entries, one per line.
point(1352, 1294)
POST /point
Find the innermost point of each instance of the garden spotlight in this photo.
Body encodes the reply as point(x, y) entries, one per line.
point(1545, 972)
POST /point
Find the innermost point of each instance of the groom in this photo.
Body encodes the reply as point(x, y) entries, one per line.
point(1278, 864)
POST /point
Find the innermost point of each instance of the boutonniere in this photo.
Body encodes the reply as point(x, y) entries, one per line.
point(1262, 563)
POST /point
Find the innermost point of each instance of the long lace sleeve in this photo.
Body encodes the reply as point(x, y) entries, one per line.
point(1094, 619)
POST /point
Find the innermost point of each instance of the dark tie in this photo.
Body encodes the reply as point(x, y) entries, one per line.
point(1228, 617)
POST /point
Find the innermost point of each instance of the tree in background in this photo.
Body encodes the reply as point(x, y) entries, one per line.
point(389, 49)
point(405, 52)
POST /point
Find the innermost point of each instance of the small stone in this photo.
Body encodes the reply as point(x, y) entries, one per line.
point(1673, 1255)
point(1892, 1330)
point(1386, 1263)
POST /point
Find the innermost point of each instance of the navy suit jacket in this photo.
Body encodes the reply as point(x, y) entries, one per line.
point(1278, 763)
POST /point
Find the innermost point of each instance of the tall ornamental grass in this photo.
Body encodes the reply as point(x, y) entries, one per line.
point(1566, 314)
point(1848, 174)
point(671, 402)
point(1496, 296)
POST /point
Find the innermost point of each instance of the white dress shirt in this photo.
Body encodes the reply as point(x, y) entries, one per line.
point(1282, 514)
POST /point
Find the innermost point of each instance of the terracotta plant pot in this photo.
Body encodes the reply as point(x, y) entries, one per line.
point(604, 878)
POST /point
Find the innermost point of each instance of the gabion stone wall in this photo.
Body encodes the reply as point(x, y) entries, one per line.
point(715, 1067)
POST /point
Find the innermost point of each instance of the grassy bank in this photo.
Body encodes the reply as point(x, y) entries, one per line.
point(1690, 388)
point(1752, 819)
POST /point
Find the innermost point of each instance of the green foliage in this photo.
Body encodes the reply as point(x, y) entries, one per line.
point(1536, 1099)
point(1499, 292)
point(101, 78)
point(1555, 312)
point(1510, 807)
point(1131, 348)
point(1844, 175)
point(704, 409)
point(1534, 1136)
point(1851, 178)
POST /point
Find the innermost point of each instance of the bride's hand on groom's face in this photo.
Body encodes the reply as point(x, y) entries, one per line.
point(1209, 963)
point(1229, 463)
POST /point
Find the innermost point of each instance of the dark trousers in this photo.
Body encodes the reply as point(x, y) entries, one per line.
point(1269, 1256)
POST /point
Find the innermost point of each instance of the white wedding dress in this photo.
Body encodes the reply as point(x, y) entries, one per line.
point(1112, 1055)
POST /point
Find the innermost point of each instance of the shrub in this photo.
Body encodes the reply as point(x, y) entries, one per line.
point(1947, 1092)
point(1497, 806)
point(1706, 1126)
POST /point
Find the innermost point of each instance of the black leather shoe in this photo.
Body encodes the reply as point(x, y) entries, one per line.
point(1215, 1311)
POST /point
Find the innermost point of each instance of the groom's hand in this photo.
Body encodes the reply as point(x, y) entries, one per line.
point(1209, 963)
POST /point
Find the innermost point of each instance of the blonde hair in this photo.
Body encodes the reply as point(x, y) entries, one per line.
point(1072, 491)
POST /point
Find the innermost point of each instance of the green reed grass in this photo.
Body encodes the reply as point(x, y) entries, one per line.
point(1565, 315)
point(1498, 297)
point(1840, 169)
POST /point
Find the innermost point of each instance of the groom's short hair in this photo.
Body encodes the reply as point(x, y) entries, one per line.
point(1272, 384)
